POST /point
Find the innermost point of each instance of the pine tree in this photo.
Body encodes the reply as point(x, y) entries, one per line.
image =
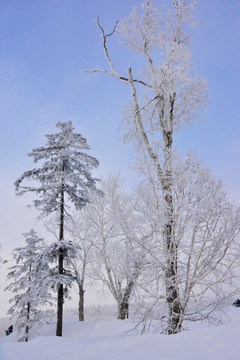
point(29, 296)
point(64, 175)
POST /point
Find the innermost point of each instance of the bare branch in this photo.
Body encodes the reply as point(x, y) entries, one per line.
point(120, 77)
point(113, 72)
point(104, 43)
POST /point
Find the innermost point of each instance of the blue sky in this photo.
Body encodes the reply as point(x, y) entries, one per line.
point(45, 45)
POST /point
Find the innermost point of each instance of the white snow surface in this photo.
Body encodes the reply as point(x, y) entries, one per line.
point(109, 340)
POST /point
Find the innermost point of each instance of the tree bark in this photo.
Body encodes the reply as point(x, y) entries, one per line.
point(164, 176)
point(124, 305)
point(59, 311)
point(60, 267)
point(28, 307)
point(171, 248)
point(81, 303)
point(27, 327)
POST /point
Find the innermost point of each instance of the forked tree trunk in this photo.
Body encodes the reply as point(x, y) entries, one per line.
point(124, 304)
point(124, 311)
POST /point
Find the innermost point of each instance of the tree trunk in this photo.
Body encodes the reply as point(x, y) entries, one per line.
point(59, 311)
point(124, 305)
point(123, 311)
point(171, 249)
point(164, 176)
point(60, 268)
point(174, 308)
point(27, 327)
point(28, 307)
point(81, 303)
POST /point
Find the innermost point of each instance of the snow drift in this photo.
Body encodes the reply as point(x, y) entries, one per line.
point(110, 339)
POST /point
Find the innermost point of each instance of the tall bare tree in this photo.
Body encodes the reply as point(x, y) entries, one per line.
point(165, 97)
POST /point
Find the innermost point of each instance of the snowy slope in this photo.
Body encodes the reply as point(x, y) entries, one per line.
point(108, 340)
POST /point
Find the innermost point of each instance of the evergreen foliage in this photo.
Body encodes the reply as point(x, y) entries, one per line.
point(30, 297)
point(65, 167)
point(64, 178)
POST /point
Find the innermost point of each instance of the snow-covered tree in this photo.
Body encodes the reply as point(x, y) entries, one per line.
point(206, 227)
point(47, 262)
point(30, 297)
point(165, 97)
point(80, 229)
point(64, 178)
point(116, 258)
point(206, 231)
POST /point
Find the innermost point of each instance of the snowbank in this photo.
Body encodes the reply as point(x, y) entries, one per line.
point(108, 340)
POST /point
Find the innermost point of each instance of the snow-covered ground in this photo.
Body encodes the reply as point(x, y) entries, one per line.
point(108, 340)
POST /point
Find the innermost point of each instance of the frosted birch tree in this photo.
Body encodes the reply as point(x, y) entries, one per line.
point(206, 226)
point(116, 259)
point(207, 232)
point(165, 97)
point(63, 178)
point(80, 229)
point(30, 298)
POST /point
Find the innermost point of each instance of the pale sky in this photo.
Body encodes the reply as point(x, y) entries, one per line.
point(45, 45)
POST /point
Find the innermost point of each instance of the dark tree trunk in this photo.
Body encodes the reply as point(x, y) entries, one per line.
point(174, 308)
point(60, 268)
point(59, 311)
point(27, 327)
point(81, 303)
point(124, 305)
point(28, 307)
point(124, 311)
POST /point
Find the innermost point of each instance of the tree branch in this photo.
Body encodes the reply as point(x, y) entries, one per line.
point(144, 137)
point(113, 72)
